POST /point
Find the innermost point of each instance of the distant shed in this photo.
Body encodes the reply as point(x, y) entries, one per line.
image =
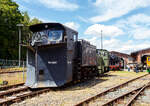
point(140, 55)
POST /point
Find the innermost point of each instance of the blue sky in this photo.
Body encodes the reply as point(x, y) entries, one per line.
point(125, 23)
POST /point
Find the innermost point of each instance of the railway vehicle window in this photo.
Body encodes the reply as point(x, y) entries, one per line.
point(55, 35)
point(65, 38)
point(41, 72)
point(99, 53)
point(74, 37)
point(39, 37)
point(104, 54)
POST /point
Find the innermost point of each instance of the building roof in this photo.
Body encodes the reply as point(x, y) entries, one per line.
point(142, 50)
point(120, 54)
point(43, 26)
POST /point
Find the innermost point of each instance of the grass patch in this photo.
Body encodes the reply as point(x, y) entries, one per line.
point(13, 78)
point(12, 69)
point(127, 73)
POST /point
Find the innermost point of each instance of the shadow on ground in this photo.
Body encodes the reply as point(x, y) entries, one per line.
point(84, 84)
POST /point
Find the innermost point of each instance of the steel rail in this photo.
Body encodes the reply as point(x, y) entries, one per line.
point(86, 101)
point(22, 97)
point(12, 91)
point(137, 94)
point(10, 86)
point(121, 96)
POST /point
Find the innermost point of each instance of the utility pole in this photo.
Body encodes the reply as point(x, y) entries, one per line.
point(101, 40)
point(19, 27)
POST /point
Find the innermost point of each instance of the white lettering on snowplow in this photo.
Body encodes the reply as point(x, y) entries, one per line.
point(52, 62)
point(69, 62)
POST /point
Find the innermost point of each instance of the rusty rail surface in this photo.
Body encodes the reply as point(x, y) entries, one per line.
point(84, 102)
point(137, 94)
point(13, 91)
point(22, 97)
point(10, 86)
point(139, 89)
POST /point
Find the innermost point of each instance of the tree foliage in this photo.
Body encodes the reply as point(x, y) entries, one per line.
point(10, 16)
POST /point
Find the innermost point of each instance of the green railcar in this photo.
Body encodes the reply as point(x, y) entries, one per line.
point(102, 60)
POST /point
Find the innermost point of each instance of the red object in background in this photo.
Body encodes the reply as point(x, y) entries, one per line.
point(115, 67)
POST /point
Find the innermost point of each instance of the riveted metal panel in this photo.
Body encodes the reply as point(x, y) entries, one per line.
point(88, 54)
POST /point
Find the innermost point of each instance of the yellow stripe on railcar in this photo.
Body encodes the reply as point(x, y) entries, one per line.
point(148, 61)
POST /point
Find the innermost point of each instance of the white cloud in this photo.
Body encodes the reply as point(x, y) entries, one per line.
point(141, 33)
point(83, 19)
point(136, 26)
point(59, 4)
point(139, 19)
point(72, 25)
point(94, 41)
point(111, 45)
point(109, 31)
point(117, 45)
point(109, 9)
point(132, 46)
point(135, 21)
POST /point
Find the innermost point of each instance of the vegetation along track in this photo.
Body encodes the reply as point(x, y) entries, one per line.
point(18, 92)
point(6, 72)
point(112, 94)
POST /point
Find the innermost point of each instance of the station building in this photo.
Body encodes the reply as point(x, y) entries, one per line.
point(140, 55)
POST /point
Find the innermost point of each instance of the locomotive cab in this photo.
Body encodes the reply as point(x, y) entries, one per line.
point(49, 62)
point(102, 60)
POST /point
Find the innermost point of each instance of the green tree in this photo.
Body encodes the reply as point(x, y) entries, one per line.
point(10, 16)
point(26, 34)
point(26, 18)
point(35, 21)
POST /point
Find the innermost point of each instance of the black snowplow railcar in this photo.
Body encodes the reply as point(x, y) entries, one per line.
point(56, 57)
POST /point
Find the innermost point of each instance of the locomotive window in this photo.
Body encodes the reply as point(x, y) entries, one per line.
point(75, 37)
point(55, 35)
point(41, 72)
point(105, 54)
point(39, 37)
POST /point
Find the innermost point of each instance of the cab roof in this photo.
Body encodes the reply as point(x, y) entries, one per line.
point(43, 26)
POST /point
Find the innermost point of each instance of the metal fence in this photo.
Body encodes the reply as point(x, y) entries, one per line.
point(11, 63)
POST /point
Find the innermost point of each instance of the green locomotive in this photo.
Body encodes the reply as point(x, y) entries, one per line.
point(102, 60)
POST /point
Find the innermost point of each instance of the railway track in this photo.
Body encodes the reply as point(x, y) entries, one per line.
point(137, 94)
point(16, 93)
point(103, 99)
point(11, 86)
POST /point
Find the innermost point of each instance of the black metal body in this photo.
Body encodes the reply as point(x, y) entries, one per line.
point(55, 63)
point(116, 63)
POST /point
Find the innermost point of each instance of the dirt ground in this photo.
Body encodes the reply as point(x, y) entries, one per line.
point(12, 78)
point(71, 95)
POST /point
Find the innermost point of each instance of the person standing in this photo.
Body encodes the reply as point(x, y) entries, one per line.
point(136, 68)
point(128, 67)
